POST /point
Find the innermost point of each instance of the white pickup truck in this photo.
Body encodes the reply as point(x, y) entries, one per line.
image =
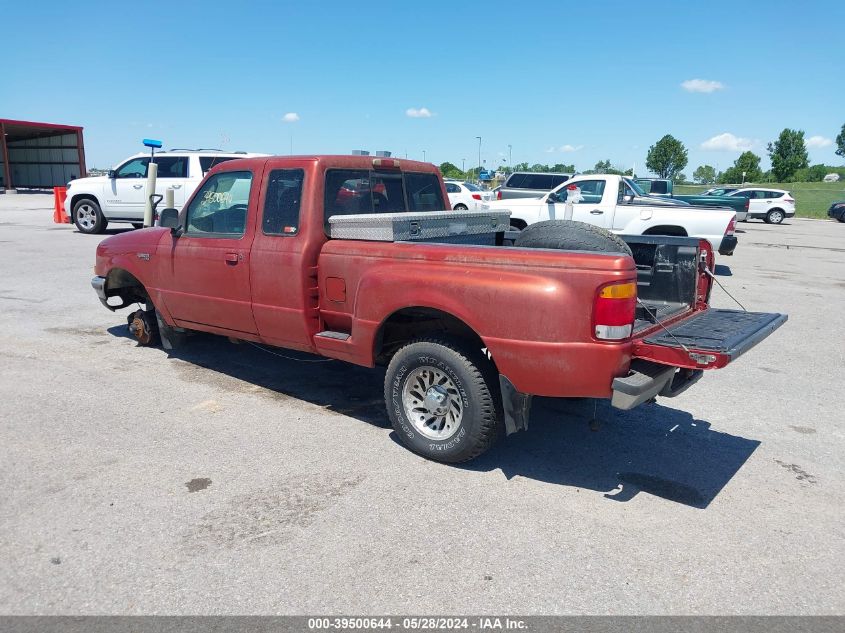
point(618, 205)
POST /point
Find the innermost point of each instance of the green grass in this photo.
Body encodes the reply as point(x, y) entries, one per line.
point(812, 199)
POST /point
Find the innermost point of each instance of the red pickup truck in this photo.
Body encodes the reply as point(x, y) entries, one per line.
point(468, 332)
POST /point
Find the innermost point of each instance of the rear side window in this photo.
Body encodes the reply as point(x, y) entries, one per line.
point(515, 181)
point(172, 166)
point(537, 181)
point(659, 186)
point(773, 194)
point(282, 202)
point(452, 188)
point(424, 192)
point(219, 208)
point(558, 180)
point(207, 162)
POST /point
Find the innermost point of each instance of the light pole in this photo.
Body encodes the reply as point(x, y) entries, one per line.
point(479, 158)
point(423, 155)
point(510, 157)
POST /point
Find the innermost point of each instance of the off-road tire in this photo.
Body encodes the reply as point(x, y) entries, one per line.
point(476, 382)
point(571, 236)
point(88, 217)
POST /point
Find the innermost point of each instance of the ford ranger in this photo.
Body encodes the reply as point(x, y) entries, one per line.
point(297, 253)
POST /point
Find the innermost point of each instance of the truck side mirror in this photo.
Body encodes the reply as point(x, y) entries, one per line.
point(169, 218)
point(627, 199)
point(111, 173)
point(553, 197)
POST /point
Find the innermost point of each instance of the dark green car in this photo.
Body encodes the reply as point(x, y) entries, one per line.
point(662, 188)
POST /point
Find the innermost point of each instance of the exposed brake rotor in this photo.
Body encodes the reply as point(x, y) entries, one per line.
point(140, 328)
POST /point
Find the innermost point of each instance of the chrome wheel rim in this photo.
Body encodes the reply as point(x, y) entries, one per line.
point(432, 403)
point(86, 217)
point(776, 217)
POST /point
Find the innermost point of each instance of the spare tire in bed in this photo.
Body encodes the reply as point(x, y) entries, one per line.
point(572, 236)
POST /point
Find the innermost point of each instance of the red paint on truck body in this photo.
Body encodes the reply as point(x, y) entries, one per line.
point(532, 308)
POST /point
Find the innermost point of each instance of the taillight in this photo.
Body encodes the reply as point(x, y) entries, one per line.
point(731, 226)
point(499, 195)
point(614, 310)
point(789, 200)
point(747, 203)
point(476, 196)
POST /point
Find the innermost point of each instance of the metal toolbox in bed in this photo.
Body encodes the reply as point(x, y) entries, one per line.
point(455, 227)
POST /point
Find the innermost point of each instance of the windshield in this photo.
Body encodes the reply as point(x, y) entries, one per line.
point(472, 187)
point(635, 187)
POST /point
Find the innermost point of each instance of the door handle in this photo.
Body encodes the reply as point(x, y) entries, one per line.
point(176, 186)
point(232, 258)
point(596, 212)
point(137, 186)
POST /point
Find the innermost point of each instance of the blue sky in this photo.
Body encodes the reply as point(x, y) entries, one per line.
point(570, 82)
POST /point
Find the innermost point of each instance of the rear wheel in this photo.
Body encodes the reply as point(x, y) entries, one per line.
point(443, 400)
point(775, 216)
point(571, 235)
point(460, 207)
point(88, 217)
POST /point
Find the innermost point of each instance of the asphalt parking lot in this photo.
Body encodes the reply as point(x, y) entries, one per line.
point(221, 479)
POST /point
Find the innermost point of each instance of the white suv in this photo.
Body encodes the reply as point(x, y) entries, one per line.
point(95, 201)
point(769, 205)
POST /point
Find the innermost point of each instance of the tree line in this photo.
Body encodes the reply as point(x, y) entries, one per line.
point(668, 157)
point(788, 155)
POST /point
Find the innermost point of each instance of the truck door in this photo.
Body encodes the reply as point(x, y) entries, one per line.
point(593, 206)
point(283, 262)
point(124, 194)
point(207, 279)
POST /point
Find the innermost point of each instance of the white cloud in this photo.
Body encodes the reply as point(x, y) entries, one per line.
point(551, 150)
point(570, 148)
point(818, 141)
point(290, 117)
point(702, 85)
point(727, 142)
point(419, 113)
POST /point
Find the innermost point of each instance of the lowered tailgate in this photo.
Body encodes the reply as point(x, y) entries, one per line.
point(708, 339)
point(669, 359)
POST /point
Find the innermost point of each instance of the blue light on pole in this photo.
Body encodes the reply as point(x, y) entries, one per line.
point(153, 145)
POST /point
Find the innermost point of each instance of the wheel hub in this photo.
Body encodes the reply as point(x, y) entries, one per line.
point(436, 400)
point(432, 403)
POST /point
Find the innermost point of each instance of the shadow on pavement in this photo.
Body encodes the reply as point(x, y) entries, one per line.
point(722, 270)
point(654, 448)
point(337, 386)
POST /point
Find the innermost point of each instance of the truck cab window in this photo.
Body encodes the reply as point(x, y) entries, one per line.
point(219, 208)
point(424, 193)
point(282, 202)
